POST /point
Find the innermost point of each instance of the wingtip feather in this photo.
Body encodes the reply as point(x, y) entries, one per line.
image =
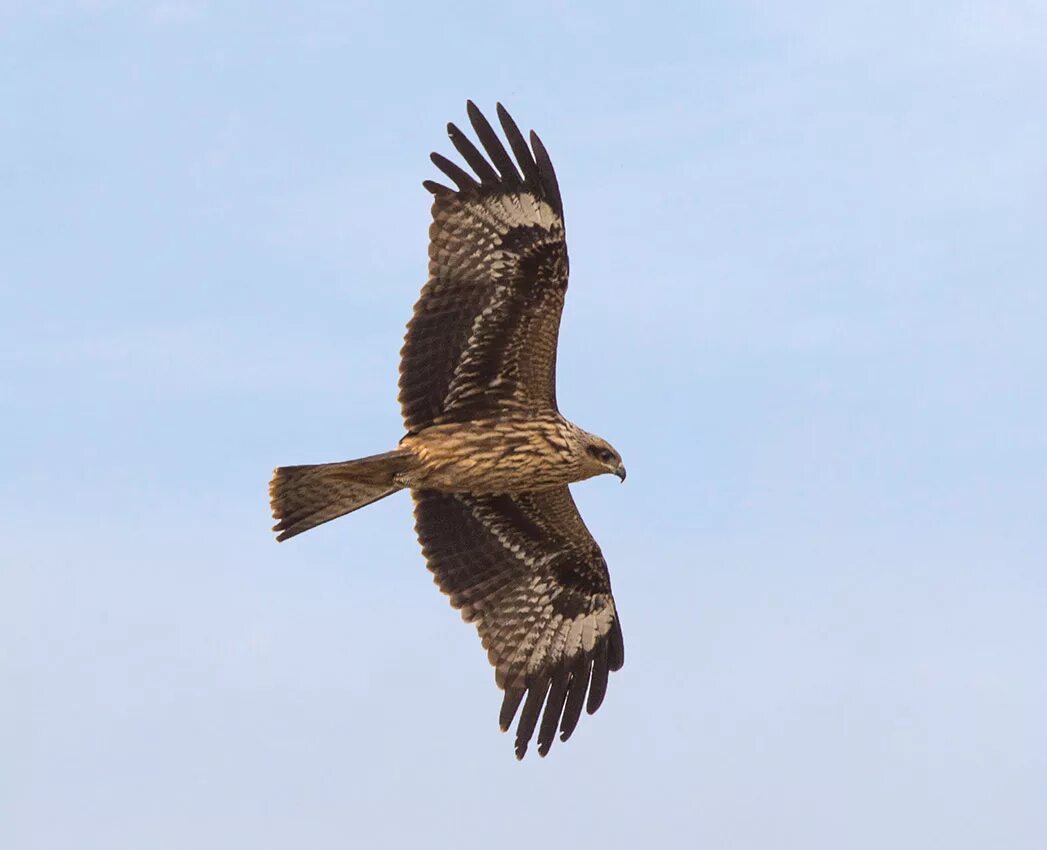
point(437, 189)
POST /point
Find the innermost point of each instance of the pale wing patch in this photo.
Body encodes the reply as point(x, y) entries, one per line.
point(525, 211)
point(496, 216)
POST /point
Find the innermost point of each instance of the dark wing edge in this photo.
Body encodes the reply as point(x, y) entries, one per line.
point(499, 172)
point(527, 572)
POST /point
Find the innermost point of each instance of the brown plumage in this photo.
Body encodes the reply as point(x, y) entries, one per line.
point(487, 455)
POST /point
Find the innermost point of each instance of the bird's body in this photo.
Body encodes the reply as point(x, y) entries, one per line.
point(511, 454)
point(487, 455)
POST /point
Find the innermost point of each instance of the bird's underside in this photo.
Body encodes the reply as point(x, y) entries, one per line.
point(487, 456)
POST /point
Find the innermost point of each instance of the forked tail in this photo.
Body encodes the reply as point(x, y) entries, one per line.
point(303, 497)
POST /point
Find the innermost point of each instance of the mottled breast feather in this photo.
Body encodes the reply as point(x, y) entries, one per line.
point(527, 571)
point(483, 336)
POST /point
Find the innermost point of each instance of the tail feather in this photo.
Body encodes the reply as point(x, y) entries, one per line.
point(303, 497)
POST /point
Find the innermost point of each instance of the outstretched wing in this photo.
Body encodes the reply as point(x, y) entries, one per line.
point(527, 571)
point(483, 336)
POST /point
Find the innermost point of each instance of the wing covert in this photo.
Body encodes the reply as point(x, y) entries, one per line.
point(483, 335)
point(528, 573)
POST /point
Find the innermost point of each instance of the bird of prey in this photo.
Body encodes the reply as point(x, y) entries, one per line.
point(487, 455)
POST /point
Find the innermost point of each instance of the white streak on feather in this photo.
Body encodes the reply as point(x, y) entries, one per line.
point(538, 660)
point(510, 542)
point(588, 634)
point(573, 643)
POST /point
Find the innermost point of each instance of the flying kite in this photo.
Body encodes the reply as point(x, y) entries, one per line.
point(487, 455)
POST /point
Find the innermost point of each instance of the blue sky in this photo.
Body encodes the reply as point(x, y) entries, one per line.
point(808, 305)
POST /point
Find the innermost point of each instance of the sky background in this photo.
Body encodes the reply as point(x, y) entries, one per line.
point(808, 305)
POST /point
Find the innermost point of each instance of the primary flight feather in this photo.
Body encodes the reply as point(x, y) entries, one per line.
point(487, 455)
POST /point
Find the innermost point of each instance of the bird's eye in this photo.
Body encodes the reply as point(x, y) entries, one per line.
point(606, 456)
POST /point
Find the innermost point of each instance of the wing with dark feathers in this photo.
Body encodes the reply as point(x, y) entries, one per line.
point(527, 571)
point(483, 336)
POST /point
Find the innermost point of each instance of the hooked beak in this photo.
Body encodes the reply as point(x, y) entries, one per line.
point(620, 472)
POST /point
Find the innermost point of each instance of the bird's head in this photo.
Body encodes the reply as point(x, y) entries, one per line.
point(602, 457)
